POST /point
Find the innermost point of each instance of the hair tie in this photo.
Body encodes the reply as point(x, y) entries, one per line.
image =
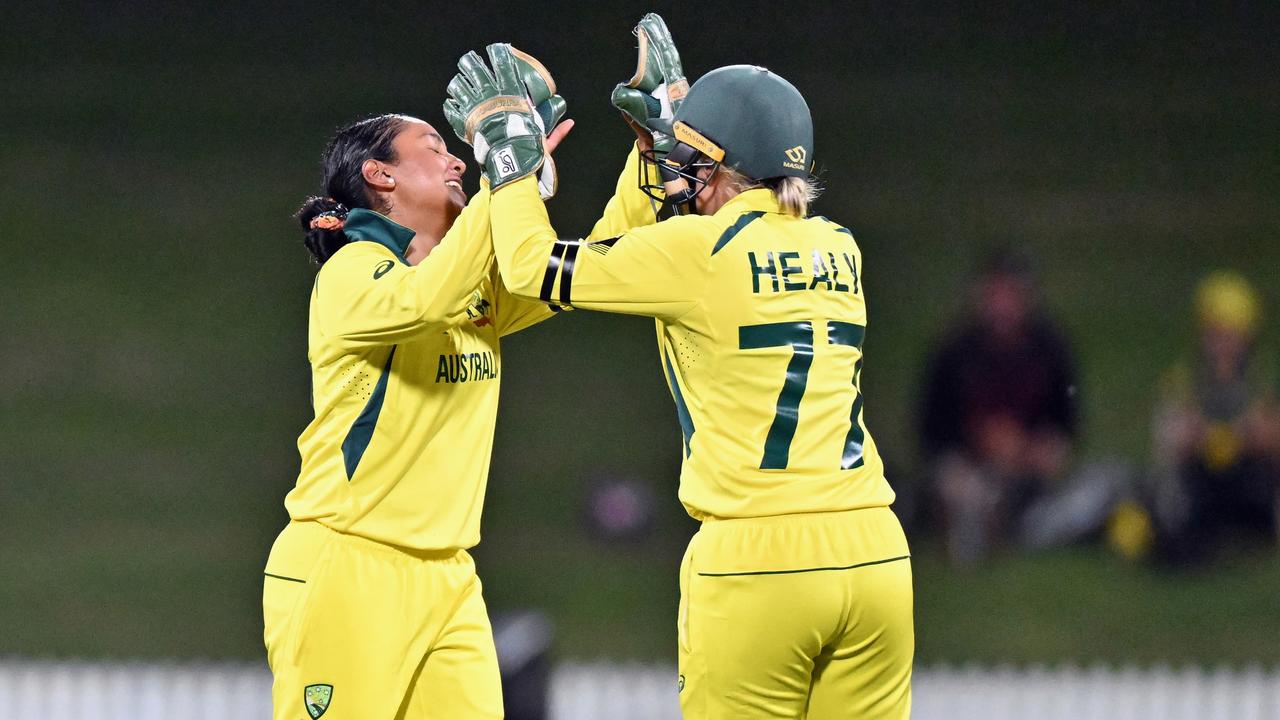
point(327, 220)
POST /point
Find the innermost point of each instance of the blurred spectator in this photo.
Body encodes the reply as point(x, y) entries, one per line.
point(999, 413)
point(1217, 430)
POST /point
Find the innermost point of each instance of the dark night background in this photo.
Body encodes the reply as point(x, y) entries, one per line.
point(155, 288)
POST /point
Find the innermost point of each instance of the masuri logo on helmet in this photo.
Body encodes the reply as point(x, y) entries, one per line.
point(796, 157)
point(700, 142)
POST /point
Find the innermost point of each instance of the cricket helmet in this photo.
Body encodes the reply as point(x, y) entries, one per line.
point(750, 119)
point(744, 117)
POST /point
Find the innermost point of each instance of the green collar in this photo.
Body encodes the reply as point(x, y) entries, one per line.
point(368, 225)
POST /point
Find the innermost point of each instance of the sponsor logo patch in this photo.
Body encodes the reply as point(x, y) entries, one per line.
point(383, 268)
point(478, 309)
point(504, 162)
point(698, 141)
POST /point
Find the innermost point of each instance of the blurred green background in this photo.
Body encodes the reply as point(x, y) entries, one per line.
point(155, 289)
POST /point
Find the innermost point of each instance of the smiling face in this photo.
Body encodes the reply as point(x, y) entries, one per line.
point(428, 179)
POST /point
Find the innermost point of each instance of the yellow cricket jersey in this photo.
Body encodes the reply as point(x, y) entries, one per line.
point(760, 319)
point(405, 363)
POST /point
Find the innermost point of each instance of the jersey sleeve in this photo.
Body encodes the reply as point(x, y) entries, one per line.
point(365, 296)
point(658, 270)
point(515, 313)
point(628, 208)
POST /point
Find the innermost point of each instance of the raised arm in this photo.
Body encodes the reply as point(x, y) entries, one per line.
point(657, 270)
point(627, 209)
point(366, 295)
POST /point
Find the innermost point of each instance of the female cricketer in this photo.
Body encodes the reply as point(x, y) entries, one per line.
point(371, 603)
point(796, 596)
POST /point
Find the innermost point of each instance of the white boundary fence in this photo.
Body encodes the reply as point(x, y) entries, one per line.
point(42, 690)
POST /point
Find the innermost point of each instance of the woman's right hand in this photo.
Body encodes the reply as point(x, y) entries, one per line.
point(558, 134)
point(648, 100)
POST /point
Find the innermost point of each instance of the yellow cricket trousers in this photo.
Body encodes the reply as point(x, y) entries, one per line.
point(360, 630)
point(797, 616)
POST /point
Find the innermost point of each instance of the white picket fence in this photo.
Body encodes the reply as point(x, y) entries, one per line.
point(42, 690)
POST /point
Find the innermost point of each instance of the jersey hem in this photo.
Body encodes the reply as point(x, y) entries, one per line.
point(807, 570)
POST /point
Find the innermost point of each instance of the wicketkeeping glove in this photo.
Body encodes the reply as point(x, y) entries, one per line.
point(650, 98)
point(505, 113)
point(540, 89)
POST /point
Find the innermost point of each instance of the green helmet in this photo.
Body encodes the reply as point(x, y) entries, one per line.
point(755, 121)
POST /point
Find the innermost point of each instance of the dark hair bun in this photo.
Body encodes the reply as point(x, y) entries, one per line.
point(322, 219)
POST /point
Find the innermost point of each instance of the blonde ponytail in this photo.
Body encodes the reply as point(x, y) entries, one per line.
point(794, 194)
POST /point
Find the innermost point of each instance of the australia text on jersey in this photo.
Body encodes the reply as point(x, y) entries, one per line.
point(466, 367)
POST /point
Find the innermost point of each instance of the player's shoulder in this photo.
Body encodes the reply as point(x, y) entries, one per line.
point(695, 223)
point(822, 223)
point(683, 229)
point(360, 257)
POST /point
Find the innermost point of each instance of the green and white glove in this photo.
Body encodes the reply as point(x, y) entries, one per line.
point(650, 98)
point(540, 89)
point(505, 113)
point(549, 109)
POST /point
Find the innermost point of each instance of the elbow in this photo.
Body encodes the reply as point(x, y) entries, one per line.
point(534, 265)
point(522, 283)
point(436, 317)
point(444, 311)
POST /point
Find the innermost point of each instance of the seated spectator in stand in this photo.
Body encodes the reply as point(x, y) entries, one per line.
point(999, 414)
point(1217, 431)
